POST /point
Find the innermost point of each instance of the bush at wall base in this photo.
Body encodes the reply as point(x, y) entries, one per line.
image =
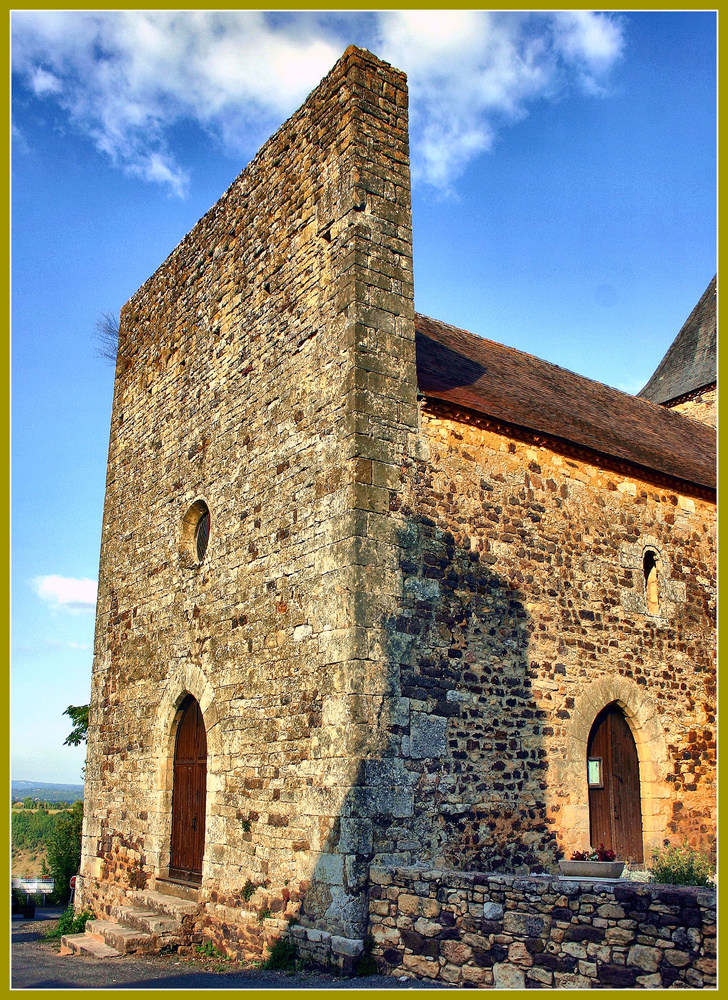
point(684, 865)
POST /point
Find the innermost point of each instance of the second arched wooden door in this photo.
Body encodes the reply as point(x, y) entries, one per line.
point(189, 795)
point(615, 810)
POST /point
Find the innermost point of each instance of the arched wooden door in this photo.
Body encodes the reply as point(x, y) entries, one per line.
point(188, 795)
point(615, 809)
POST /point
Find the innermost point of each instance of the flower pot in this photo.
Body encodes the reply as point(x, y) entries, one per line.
point(592, 869)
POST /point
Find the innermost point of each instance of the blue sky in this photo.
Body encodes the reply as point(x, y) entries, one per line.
point(563, 203)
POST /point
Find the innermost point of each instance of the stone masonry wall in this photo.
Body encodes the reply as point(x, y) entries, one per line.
point(480, 930)
point(701, 405)
point(267, 370)
point(523, 613)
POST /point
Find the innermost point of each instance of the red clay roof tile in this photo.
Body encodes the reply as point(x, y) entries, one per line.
point(526, 392)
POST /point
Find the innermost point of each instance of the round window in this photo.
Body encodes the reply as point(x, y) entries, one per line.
point(195, 534)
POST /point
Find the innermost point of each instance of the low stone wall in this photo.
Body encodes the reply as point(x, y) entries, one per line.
point(326, 950)
point(474, 929)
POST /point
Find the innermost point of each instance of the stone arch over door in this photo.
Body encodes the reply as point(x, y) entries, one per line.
point(181, 683)
point(646, 729)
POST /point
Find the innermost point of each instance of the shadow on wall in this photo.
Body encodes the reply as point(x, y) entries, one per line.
point(459, 779)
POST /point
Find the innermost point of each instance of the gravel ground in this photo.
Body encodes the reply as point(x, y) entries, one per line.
point(36, 964)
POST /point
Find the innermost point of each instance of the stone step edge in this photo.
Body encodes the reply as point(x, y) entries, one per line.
point(163, 904)
point(140, 918)
point(124, 939)
point(75, 944)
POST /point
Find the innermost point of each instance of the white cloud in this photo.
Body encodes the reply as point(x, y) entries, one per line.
point(472, 72)
point(66, 593)
point(20, 143)
point(126, 78)
point(44, 82)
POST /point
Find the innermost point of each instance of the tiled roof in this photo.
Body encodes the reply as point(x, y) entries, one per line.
point(690, 362)
point(525, 392)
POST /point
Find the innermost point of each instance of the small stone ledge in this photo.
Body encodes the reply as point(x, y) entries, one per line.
point(324, 949)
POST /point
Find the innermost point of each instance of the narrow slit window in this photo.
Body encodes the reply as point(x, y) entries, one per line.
point(202, 535)
point(649, 566)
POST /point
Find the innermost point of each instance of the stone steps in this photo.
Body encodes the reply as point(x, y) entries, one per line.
point(153, 920)
point(164, 904)
point(87, 944)
point(142, 919)
point(124, 939)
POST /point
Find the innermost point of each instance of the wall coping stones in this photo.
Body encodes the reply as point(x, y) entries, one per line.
point(515, 931)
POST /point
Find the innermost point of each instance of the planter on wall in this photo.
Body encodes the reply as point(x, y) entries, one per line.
point(592, 869)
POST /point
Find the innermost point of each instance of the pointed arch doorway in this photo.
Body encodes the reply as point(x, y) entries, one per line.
point(615, 809)
point(189, 795)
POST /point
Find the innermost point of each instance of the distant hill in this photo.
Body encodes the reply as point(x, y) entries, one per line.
point(46, 791)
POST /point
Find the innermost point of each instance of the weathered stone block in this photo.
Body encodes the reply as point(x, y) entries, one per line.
point(508, 977)
point(647, 959)
point(427, 735)
point(492, 911)
point(522, 924)
point(346, 946)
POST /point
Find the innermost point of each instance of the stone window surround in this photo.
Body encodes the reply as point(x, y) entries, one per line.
point(634, 598)
point(188, 534)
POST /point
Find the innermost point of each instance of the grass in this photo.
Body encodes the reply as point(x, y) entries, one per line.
point(210, 950)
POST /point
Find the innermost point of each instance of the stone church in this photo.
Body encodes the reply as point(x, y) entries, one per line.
point(373, 589)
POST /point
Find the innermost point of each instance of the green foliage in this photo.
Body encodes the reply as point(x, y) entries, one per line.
point(63, 847)
point(282, 956)
point(78, 714)
point(366, 966)
point(70, 923)
point(264, 914)
point(21, 898)
point(30, 803)
point(210, 950)
point(31, 830)
point(40, 804)
point(248, 890)
point(681, 866)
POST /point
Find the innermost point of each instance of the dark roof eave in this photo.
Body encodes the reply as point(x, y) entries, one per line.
point(569, 447)
point(688, 395)
point(519, 390)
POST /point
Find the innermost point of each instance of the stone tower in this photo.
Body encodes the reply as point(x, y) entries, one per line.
point(265, 391)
